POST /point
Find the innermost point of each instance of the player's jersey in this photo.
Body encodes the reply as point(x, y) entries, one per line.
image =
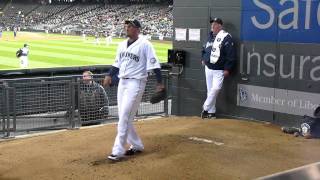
point(25, 51)
point(136, 60)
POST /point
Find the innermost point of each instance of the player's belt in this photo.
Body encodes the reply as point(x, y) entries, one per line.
point(129, 78)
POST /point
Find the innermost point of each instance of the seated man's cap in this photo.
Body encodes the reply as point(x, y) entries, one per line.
point(134, 23)
point(216, 20)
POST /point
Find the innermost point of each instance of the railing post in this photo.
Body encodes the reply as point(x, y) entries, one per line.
point(3, 108)
point(7, 111)
point(14, 111)
point(166, 100)
point(72, 105)
point(78, 118)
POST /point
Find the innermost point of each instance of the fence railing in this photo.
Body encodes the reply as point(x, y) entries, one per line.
point(36, 104)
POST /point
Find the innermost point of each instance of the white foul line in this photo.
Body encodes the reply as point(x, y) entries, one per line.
point(206, 141)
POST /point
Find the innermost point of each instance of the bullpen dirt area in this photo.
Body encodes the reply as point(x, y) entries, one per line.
point(175, 148)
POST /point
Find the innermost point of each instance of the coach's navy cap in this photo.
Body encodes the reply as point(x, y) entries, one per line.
point(216, 20)
point(134, 23)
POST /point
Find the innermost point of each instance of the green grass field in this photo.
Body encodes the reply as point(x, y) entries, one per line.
point(54, 50)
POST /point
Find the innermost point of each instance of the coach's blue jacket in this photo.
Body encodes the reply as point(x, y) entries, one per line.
point(227, 55)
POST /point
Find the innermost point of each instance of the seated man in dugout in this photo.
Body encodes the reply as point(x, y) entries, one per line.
point(93, 99)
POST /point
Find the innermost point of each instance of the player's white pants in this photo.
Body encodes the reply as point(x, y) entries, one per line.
point(130, 92)
point(214, 80)
point(23, 61)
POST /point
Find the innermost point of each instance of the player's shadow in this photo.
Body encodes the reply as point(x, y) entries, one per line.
point(107, 161)
point(124, 159)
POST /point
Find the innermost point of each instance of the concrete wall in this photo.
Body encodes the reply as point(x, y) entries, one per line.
point(278, 71)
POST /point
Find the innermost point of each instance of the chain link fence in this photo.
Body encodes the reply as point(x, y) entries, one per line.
point(37, 104)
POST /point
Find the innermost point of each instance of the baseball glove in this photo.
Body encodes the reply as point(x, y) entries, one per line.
point(158, 96)
point(19, 53)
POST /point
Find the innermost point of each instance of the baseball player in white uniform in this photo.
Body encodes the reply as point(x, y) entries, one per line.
point(108, 39)
point(135, 57)
point(24, 56)
point(83, 36)
point(97, 40)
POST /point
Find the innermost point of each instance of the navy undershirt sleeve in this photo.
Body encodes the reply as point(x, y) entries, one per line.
point(113, 71)
point(157, 71)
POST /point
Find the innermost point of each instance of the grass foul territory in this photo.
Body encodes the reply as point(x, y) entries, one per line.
point(56, 50)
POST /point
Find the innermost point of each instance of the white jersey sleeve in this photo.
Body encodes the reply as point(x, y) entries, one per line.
point(152, 60)
point(117, 61)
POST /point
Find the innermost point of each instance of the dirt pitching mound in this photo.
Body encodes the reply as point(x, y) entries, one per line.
point(175, 148)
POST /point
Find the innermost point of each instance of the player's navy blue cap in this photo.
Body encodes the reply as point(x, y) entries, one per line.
point(134, 23)
point(216, 20)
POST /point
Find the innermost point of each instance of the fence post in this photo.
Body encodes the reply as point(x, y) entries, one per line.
point(3, 116)
point(8, 131)
point(72, 105)
point(14, 111)
point(77, 95)
point(166, 100)
point(7, 110)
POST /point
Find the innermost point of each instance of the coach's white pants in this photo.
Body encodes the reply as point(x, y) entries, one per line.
point(214, 81)
point(130, 92)
point(23, 61)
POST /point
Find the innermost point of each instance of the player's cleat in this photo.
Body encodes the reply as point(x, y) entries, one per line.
point(114, 157)
point(132, 151)
point(290, 130)
point(205, 114)
point(212, 116)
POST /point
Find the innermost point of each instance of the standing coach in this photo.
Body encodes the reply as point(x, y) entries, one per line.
point(218, 56)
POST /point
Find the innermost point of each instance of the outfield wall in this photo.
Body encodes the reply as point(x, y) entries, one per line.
point(278, 60)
